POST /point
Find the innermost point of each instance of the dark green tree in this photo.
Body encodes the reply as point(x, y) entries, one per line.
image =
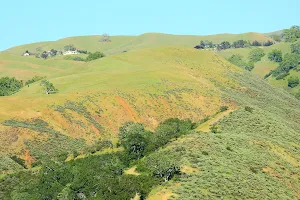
point(293, 81)
point(295, 47)
point(8, 86)
point(275, 55)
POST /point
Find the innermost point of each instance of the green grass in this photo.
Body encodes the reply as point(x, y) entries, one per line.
point(119, 44)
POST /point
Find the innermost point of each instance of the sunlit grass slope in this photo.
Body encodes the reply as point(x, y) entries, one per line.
point(264, 66)
point(146, 86)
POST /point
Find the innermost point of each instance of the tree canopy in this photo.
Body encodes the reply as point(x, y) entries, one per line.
point(8, 86)
point(256, 54)
point(275, 55)
point(48, 87)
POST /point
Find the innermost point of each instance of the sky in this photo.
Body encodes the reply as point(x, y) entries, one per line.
point(23, 22)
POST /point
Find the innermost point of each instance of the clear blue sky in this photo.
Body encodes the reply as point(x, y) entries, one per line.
point(29, 21)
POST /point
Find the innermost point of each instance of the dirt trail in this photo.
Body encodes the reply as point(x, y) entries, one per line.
point(206, 125)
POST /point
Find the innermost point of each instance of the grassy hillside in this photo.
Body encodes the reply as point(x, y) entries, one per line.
point(146, 86)
point(264, 66)
point(119, 44)
point(249, 151)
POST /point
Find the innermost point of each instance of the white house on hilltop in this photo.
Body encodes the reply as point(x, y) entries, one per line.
point(70, 52)
point(25, 54)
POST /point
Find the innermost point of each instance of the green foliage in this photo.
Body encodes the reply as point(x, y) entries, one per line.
point(160, 165)
point(94, 56)
point(277, 38)
point(249, 109)
point(293, 81)
point(282, 76)
point(70, 47)
point(268, 74)
point(291, 35)
point(214, 129)
point(290, 61)
point(134, 138)
point(275, 55)
point(295, 47)
point(9, 86)
point(239, 44)
point(48, 87)
point(34, 79)
point(256, 54)
point(99, 177)
point(223, 108)
point(75, 58)
point(237, 60)
point(249, 66)
point(18, 160)
point(79, 108)
point(297, 95)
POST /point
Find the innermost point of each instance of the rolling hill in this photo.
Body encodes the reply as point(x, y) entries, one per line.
point(119, 44)
point(252, 152)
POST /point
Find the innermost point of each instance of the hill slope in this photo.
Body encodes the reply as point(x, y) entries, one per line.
point(252, 154)
point(119, 44)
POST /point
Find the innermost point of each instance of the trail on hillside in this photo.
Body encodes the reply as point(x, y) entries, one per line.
point(206, 125)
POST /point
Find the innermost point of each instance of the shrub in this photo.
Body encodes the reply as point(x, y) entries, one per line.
point(282, 76)
point(75, 58)
point(18, 160)
point(249, 66)
point(9, 86)
point(214, 129)
point(223, 108)
point(293, 81)
point(34, 79)
point(256, 54)
point(256, 43)
point(275, 55)
point(94, 56)
point(295, 47)
point(48, 87)
point(249, 109)
point(268, 43)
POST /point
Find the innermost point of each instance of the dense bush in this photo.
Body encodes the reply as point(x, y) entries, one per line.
point(295, 47)
point(256, 54)
point(9, 86)
point(48, 87)
point(293, 81)
point(34, 79)
point(94, 56)
point(275, 55)
point(239, 44)
point(290, 61)
point(291, 35)
point(282, 76)
point(256, 43)
point(223, 108)
point(76, 58)
point(268, 43)
point(237, 60)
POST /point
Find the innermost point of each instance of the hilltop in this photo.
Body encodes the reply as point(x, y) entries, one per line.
point(119, 44)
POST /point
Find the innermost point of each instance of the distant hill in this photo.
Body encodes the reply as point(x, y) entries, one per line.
point(125, 43)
